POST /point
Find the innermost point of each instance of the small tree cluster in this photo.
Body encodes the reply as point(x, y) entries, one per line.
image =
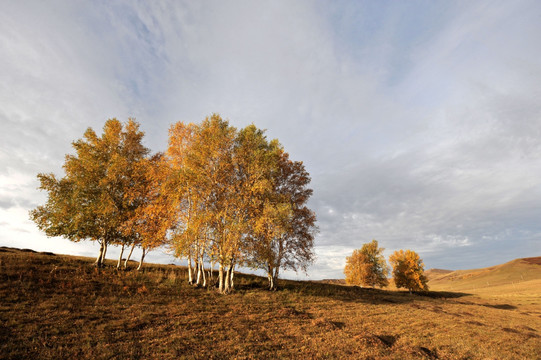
point(217, 196)
point(239, 200)
point(367, 267)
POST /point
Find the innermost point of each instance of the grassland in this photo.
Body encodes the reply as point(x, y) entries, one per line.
point(61, 307)
point(517, 282)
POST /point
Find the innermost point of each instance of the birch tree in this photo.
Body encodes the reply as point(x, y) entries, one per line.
point(149, 223)
point(288, 224)
point(89, 202)
point(408, 270)
point(203, 174)
point(367, 266)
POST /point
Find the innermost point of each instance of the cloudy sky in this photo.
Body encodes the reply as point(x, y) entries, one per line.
point(419, 121)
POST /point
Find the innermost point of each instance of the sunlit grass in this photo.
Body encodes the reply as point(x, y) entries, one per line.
point(62, 307)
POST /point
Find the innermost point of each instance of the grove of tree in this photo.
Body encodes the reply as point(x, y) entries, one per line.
point(218, 195)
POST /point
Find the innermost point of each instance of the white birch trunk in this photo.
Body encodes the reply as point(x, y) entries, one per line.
point(104, 252)
point(198, 278)
point(203, 272)
point(271, 282)
point(190, 275)
point(221, 279)
point(120, 257)
point(275, 278)
point(101, 257)
point(226, 282)
point(128, 258)
point(231, 275)
point(270, 277)
point(98, 259)
point(142, 258)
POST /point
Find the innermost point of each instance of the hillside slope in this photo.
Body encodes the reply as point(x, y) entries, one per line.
point(61, 307)
point(519, 273)
point(432, 274)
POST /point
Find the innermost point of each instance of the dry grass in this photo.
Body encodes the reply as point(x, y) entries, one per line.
point(61, 307)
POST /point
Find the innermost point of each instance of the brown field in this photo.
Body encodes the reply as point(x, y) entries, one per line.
point(61, 307)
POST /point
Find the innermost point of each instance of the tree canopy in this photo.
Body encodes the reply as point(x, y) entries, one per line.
point(367, 266)
point(91, 201)
point(408, 270)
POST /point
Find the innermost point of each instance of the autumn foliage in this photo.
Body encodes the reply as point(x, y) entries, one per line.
point(239, 200)
point(408, 270)
point(219, 195)
point(367, 266)
point(92, 201)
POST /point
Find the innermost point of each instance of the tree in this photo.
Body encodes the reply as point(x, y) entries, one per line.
point(149, 223)
point(367, 266)
point(408, 270)
point(204, 175)
point(90, 201)
point(285, 229)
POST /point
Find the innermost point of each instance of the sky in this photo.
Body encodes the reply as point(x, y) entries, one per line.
point(419, 121)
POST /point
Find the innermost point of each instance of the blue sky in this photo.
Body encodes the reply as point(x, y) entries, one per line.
point(419, 121)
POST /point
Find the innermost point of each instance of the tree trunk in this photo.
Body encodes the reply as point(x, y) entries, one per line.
point(275, 278)
point(120, 257)
point(142, 258)
point(221, 279)
point(227, 287)
point(203, 272)
point(101, 257)
point(190, 275)
point(198, 267)
point(271, 282)
point(98, 260)
point(104, 252)
point(270, 277)
point(128, 258)
point(231, 274)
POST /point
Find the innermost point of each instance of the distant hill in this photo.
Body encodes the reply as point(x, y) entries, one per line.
point(435, 273)
point(510, 275)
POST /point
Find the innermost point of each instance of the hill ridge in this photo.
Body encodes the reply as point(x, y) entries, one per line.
point(510, 273)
